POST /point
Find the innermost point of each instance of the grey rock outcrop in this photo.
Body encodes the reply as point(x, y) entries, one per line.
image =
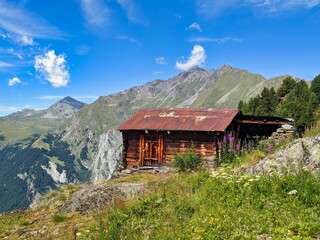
point(108, 157)
point(98, 197)
point(302, 154)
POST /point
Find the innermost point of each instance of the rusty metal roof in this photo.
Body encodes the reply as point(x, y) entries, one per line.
point(180, 119)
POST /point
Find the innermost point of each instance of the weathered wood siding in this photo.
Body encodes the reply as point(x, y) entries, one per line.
point(131, 144)
point(204, 144)
point(175, 142)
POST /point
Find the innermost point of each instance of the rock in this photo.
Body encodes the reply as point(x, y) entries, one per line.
point(303, 153)
point(108, 157)
point(97, 197)
point(287, 127)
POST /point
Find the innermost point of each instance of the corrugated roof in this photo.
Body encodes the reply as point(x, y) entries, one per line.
point(180, 119)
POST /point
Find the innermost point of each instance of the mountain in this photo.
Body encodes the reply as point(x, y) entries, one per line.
point(27, 122)
point(86, 146)
point(90, 128)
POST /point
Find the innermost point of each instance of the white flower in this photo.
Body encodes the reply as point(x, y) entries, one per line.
point(293, 192)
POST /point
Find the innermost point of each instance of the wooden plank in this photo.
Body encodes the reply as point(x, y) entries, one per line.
point(261, 122)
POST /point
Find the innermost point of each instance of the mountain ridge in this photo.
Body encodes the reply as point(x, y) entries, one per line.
point(86, 146)
point(26, 122)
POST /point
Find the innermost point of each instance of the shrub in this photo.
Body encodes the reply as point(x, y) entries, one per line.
point(57, 218)
point(187, 161)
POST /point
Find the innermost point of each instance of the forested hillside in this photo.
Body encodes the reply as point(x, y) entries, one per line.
point(294, 99)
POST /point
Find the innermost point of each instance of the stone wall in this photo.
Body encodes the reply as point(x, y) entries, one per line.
point(284, 133)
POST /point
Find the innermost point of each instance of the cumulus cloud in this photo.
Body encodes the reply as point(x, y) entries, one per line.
point(95, 12)
point(195, 26)
point(197, 58)
point(23, 26)
point(160, 60)
point(14, 81)
point(53, 68)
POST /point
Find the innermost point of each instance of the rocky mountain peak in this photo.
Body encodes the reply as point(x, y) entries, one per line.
point(72, 102)
point(196, 69)
point(224, 68)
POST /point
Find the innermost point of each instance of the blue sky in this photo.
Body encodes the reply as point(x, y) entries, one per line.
point(89, 48)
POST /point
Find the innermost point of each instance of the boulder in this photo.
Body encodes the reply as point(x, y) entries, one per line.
point(303, 153)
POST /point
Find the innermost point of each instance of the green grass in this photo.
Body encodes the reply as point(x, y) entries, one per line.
point(57, 218)
point(56, 160)
point(16, 129)
point(199, 206)
point(312, 130)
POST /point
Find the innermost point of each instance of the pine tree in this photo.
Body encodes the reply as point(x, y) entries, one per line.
point(315, 87)
point(287, 85)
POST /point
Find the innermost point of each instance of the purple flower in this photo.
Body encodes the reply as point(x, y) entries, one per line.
point(225, 138)
point(238, 147)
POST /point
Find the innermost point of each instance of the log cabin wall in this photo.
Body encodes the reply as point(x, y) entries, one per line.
point(176, 142)
point(131, 146)
point(169, 143)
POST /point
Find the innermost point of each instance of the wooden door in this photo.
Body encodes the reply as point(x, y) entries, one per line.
point(151, 148)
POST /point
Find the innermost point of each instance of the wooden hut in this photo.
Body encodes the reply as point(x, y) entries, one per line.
point(152, 136)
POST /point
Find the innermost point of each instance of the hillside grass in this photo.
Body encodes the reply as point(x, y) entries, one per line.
point(223, 206)
point(15, 130)
point(199, 205)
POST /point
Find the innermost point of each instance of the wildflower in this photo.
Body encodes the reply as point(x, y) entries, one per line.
point(250, 180)
point(293, 192)
point(78, 233)
point(225, 138)
point(238, 147)
point(199, 230)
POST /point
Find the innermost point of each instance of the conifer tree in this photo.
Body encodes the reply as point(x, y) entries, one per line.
point(315, 87)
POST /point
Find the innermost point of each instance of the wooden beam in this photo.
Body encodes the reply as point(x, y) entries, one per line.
point(262, 122)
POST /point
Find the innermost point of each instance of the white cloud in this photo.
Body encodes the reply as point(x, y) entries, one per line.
point(95, 12)
point(213, 7)
point(132, 12)
point(280, 5)
point(14, 53)
point(50, 97)
point(86, 97)
point(195, 26)
point(82, 50)
point(80, 97)
point(130, 39)
point(53, 68)
point(8, 109)
point(160, 60)
point(197, 58)
point(23, 27)
point(5, 65)
point(214, 40)
point(14, 81)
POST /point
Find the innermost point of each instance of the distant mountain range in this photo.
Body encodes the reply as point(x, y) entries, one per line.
point(27, 122)
point(83, 144)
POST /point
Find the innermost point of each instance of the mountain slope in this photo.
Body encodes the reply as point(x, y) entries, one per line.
point(28, 121)
point(86, 146)
point(223, 87)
